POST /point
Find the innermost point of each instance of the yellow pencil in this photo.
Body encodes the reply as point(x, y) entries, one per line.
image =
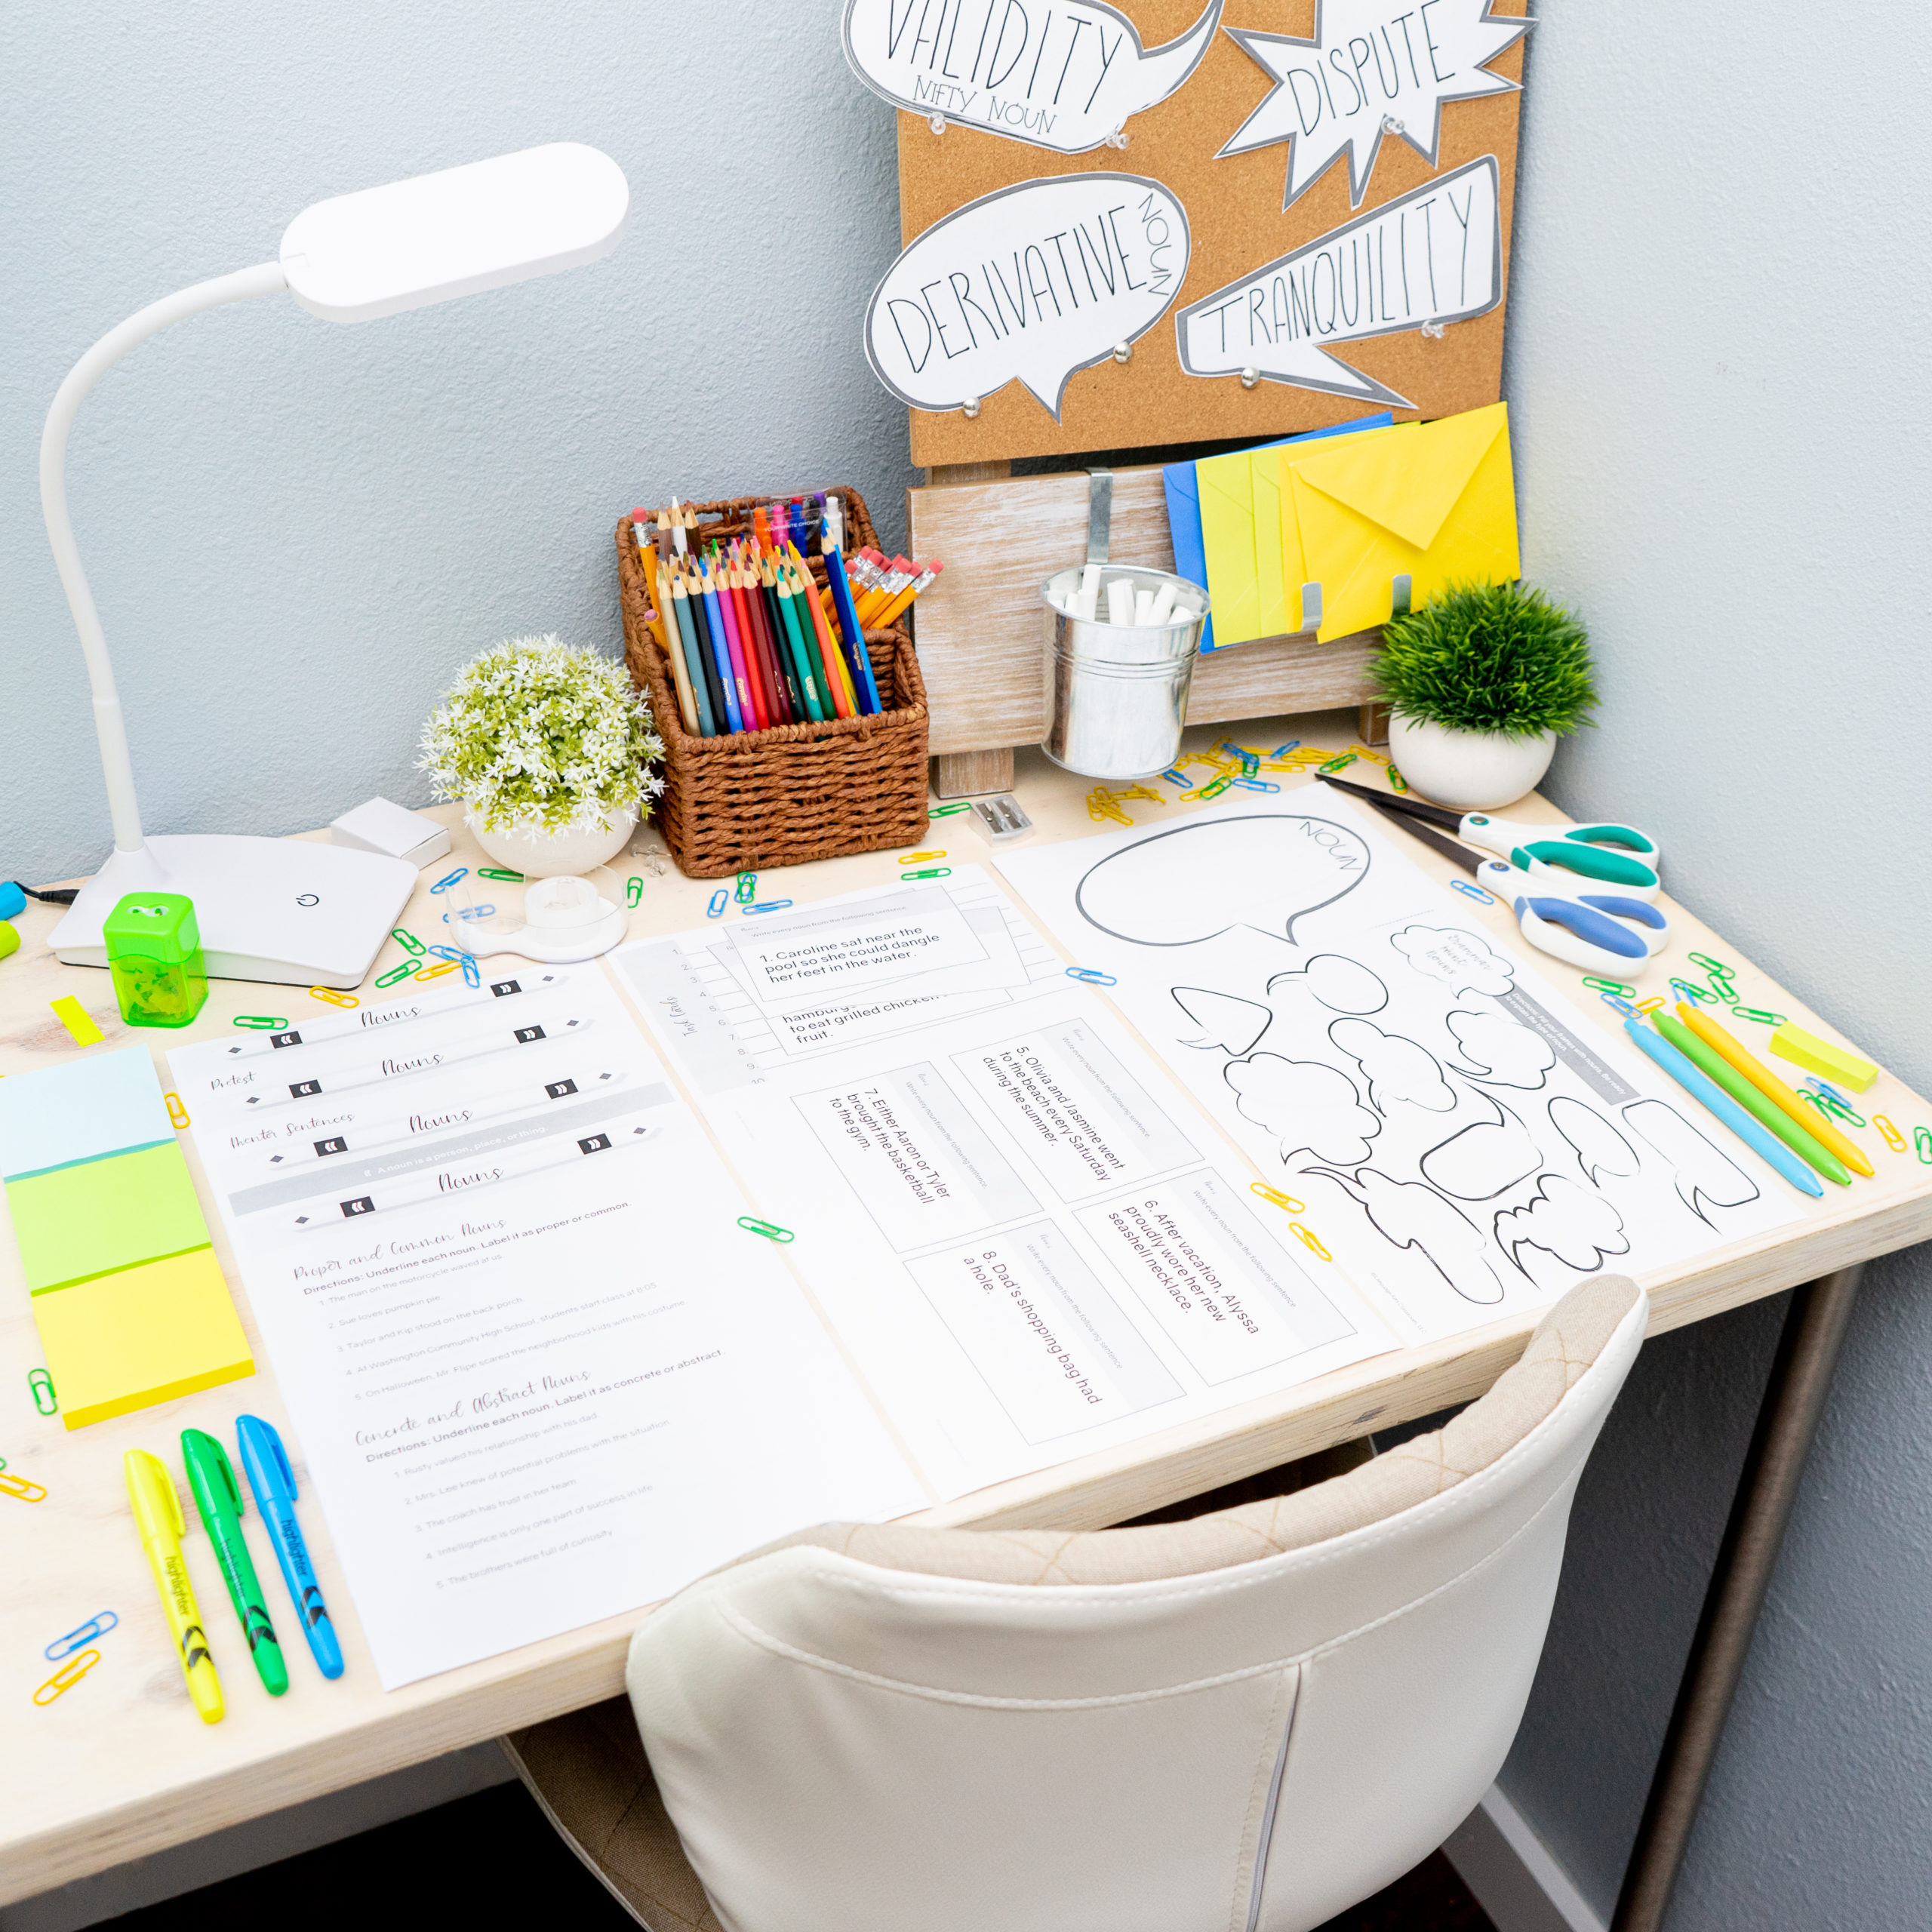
point(1761, 1077)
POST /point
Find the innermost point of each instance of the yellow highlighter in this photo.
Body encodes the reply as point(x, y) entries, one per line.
point(158, 1516)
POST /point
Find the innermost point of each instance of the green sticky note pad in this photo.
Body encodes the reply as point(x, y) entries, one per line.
point(80, 1222)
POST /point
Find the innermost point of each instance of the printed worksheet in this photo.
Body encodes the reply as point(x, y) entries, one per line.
point(1451, 1135)
point(537, 1374)
point(1030, 1243)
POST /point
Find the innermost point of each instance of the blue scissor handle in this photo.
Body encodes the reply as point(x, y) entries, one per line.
point(1641, 910)
point(1594, 928)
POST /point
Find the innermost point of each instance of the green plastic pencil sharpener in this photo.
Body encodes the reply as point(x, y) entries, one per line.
point(154, 952)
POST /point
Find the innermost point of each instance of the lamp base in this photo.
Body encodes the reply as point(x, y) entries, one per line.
point(280, 909)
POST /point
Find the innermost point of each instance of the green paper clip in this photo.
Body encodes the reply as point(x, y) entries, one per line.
point(1338, 763)
point(745, 890)
point(1921, 1140)
point(949, 811)
point(1702, 995)
point(769, 1230)
point(45, 1400)
point(1724, 990)
point(260, 1023)
point(396, 972)
point(1831, 1104)
point(407, 941)
point(1397, 781)
point(497, 872)
point(633, 891)
point(1597, 985)
point(1758, 1013)
point(930, 872)
point(1617, 1000)
point(1711, 965)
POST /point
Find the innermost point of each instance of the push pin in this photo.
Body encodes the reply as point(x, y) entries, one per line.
point(1390, 125)
point(970, 407)
point(937, 123)
point(1123, 352)
point(1251, 377)
point(1118, 138)
point(1435, 331)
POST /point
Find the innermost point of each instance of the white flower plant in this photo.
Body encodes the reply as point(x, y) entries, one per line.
point(540, 736)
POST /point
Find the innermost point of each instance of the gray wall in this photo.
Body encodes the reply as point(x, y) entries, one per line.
point(1719, 365)
point(296, 531)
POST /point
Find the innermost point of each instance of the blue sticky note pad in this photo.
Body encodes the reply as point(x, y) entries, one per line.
point(56, 1116)
point(1183, 489)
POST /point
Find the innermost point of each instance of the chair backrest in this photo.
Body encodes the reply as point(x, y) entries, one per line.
point(1244, 1723)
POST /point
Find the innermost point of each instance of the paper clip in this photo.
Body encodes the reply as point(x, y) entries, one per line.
point(1282, 751)
point(1655, 1004)
point(1616, 1000)
point(396, 972)
point(1100, 814)
point(771, 1231)
point(470, 912)
point(260, 1023)
point(719, 900)
point(1397, 781)
point(72, 1015)
point(177, 1112)
point(497, 872)
point(1724, 990)
point(1212, 790)
point(1141, 792)
point(1826, 1087)
point(95, 1626)
point(769, 906)
point(918, 858)
point(1922, 1141)
point(28, 1492)
point(334, 997)
point(1469, 888)
point(633, 891)
point(930, 872)
point(1257, 785)
point(64, 1679)
point(1702, 995)
point(746, 890)
point(1275, 1194)
point(1308, 1240)
point(45, 1399)
point(1758, 1013)
point(473, 973)
point(407, 941)
point(1711, 965)
point(1346, 759)
point(448, 879)
point(454, 954)
point(1832, 1105)
point(1175, 776)
point(949, 811)
point(1088, 976)
point(1597, 985)
point(1362, 750)
point(1894, 1140)
point(441, 967)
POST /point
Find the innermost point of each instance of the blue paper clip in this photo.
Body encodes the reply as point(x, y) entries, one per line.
point(1175, 776)
point(720, 900)
point(1257, 785)
point(1697, 995)
point(1282, 751)
point(745, 890)
point(76, 1640)
point(1621, 1004)
point(1469, 888)
point(769, 906)
point(1088, 976)
point(1827, 1089)
point(452, 952)
point(448, 879)
point(472, 975)
point(468, 912)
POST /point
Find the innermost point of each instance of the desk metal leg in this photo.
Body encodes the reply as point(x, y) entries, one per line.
point(1800, 1377)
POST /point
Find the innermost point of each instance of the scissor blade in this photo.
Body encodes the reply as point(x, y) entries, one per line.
point(1392, 802)
point(1459, 855)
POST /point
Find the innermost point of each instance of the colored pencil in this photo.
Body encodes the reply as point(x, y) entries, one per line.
point(681, 605)
point(748, 707)
point(775, 623)
point(752, 591)
point(1795, 1134)
point(674, 649)
point(862, 663)
point(814, 709)
point(823, 640)
point(721, 716)
point(705, 605)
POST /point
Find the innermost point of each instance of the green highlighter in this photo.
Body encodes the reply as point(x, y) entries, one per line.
point(218, 1497)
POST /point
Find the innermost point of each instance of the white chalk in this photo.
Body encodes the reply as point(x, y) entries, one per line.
point(1164, 603)
point(1120, 600)
point(1090, 580)
point(1143, 607)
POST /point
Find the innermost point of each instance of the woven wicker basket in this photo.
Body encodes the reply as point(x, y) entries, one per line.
point(796, 792)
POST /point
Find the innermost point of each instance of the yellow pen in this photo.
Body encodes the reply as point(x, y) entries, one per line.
point(158, 1517)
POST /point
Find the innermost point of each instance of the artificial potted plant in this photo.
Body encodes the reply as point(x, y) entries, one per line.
point(546, 744)
point(1480, 682)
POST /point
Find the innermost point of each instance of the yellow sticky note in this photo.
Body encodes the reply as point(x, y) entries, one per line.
point(98, 1217)
point(1821, 1057)
point(144, 1335)
point(72, 1015)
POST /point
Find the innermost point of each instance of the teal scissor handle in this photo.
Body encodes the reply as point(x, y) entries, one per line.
point(1627, 836)
point(1589, 862)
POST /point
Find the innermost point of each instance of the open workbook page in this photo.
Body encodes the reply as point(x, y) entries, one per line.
point(538, 1374)
point(1030, 1241)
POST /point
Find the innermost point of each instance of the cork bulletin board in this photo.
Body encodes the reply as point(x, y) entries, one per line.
point(1380, 283)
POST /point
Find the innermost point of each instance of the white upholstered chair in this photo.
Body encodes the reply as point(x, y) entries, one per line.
point(1246, 1722)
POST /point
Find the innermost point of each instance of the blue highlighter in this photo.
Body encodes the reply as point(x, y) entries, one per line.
point(273, 1482)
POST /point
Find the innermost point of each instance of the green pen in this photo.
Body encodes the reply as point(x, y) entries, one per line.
point(218, 1497)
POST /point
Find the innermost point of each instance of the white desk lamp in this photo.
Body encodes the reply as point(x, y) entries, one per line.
point(288, 909)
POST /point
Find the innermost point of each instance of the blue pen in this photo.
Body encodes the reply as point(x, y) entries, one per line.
point(865, 686)
point(1698, 1084)
point(273, 1482)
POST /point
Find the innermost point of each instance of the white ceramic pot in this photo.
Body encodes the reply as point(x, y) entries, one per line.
point(554, 854)
point(1471, 771)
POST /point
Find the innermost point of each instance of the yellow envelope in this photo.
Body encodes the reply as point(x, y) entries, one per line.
point(1296, 572)
point(1436, 505)
point(1227, 545)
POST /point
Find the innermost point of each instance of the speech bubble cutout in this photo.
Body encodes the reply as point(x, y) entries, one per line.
point(1396, 1069)
point(1370, 69)
point(1434, 257)
point(1581, 1229)
point(1341, 984)
point(1033, 283)
point(1478, 1163)
point(1460, 960)
point(1704, 1172)
point(1412, 1216)
point(1599, 1148)
point(1220, 1019)
point(1202, 879)
point(1307, 1104)
point(1501, 1050)
point(1065, 77)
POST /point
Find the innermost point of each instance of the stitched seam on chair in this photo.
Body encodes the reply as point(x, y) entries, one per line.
point(778, 1646)
point(569, 1836)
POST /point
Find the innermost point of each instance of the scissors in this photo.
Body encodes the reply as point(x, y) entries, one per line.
point(1570, 918)
point(1614, 854)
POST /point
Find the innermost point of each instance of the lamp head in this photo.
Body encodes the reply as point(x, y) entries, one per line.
point(382, 250)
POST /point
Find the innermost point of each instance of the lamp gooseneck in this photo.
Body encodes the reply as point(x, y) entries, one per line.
point(109, 726)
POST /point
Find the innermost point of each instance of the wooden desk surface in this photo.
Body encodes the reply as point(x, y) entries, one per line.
point(119, 1767)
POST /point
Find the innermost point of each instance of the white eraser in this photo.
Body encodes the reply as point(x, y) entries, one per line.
point(396, 833)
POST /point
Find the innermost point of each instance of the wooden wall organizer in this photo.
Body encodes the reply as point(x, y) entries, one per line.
point(982, 628)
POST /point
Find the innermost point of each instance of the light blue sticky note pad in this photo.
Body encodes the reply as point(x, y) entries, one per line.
point(109, 1103)
point(1183, 492)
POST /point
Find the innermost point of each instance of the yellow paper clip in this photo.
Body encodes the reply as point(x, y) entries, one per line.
point(1309, 1241)
point(1655, 1004)
point(1275, 1194)
point(72, 1015)
point(1396, 782)
point(1211, 791)
point(437, 971)
point(1100, 813)
point(917, 858)
point(64, 1679)
point(1346, 759)
point(1362, 750)
point(329, 994)
point(1894, 1140)
point(770, 1230)
point(1141, 792)
point(28, 1492)
point(177, 1112)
